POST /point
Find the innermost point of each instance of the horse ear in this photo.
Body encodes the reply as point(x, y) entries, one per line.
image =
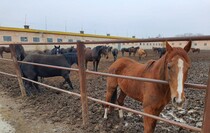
point(188, 46)
point(168, 47)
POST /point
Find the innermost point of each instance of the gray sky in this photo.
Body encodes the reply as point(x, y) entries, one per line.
point(142, 18)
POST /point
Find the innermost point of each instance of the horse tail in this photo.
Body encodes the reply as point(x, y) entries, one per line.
point(114, 96)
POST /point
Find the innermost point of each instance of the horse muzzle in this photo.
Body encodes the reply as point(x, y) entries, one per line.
point(178, 103)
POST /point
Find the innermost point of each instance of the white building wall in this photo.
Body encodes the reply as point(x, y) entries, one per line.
point(203, 45)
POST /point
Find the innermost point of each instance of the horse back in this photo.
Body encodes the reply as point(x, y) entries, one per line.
point(125, 66)
point(56, 60)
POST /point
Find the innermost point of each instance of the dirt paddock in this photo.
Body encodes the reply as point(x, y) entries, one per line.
point(53, 111)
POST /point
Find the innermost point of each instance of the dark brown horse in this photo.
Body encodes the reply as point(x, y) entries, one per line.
point(4, 49)
point(130, 50)
point(94, 55)
point(172, 67)
point(133, 50)
point(195, 50)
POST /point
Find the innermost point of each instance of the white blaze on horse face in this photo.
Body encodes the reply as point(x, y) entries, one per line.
point(180, 80)
point(105, 113)
point(57, 51)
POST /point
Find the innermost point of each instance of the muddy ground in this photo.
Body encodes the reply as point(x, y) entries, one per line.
point(53, 111)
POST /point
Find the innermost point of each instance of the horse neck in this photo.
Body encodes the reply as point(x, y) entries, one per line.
point(71, 59)
point(160, 67)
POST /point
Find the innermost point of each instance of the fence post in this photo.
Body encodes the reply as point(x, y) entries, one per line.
point(17, 69)
point(206, 116)
point(82, 78)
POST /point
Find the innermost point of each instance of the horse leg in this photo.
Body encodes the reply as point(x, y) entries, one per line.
point(139, 57)
point(111, 94)
point(86, 64)
point(94, 65)
point(97, 62)
point(36, 86)
point(153, 107)
point(120, 101)
point(27, 87)
point(67, 79)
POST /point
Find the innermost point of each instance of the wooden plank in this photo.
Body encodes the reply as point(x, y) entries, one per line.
point(82, 78)
point(17, 69)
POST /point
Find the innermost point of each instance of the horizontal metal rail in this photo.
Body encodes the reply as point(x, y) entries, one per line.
point(113, 105)
point(192, 38)
point(197, 86)
point(8, 74)
point(5, 59)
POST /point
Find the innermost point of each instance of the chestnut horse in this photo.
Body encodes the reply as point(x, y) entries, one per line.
point(4, 49)
point(172, 67)
point(141, 53)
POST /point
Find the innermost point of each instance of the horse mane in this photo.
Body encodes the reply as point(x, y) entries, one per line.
point(71, 57)
point(97, 49)
point(149, 64)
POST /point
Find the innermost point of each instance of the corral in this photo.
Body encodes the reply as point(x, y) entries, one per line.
point(62, 108)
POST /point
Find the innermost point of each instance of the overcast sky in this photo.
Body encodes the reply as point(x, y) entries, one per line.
point(142, 18)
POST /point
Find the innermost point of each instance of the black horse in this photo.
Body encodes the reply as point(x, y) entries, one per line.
point(115, 53)
point(56, 50)
point(33, 72)
point(123, 50)
point(160, 51)
point(95, 55)
point(67, 50)
point(133, 50)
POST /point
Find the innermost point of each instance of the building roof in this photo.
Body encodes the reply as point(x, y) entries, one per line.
point(61, 33)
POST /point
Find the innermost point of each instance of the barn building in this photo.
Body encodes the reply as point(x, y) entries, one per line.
point(11, 34)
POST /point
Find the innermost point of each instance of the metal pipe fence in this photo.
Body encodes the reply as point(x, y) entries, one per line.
point(82, 75)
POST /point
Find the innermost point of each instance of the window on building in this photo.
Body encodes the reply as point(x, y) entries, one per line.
point(36, 39)
point(7, 38)
point(172, 43)
point(139, 43)
point(180, 43)
point(195, 44)
point(24, 39)
point(70, 40)
point(59, 40)
point(49, 40)
point(78, 40)
point(205, 44)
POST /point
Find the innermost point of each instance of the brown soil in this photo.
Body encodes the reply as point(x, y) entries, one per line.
point(53, 111)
